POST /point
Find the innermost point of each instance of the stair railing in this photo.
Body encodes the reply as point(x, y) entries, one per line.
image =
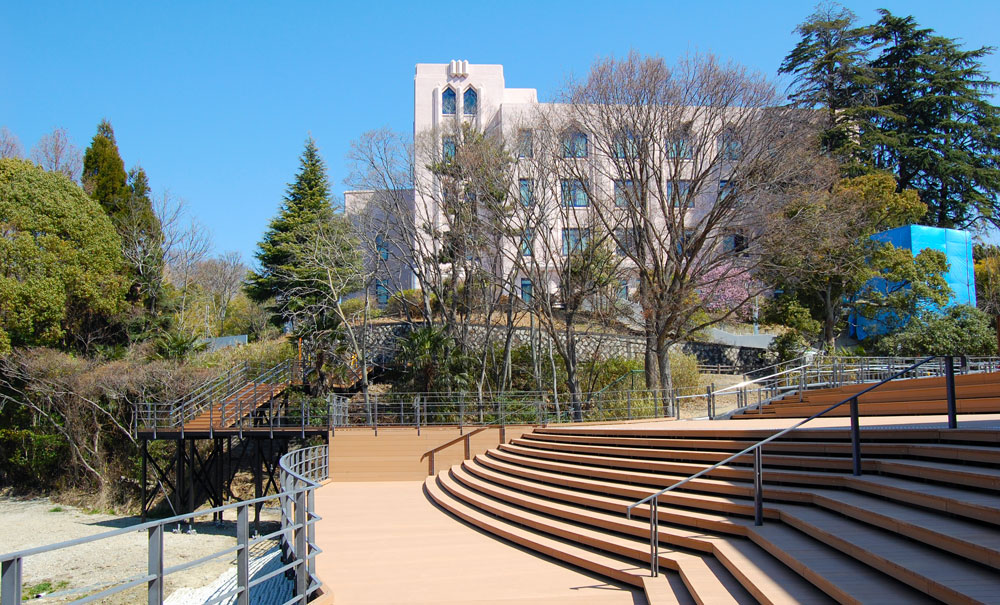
point(755, 449)
point(429, 454)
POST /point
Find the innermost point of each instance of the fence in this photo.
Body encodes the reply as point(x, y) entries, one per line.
point(619, 402)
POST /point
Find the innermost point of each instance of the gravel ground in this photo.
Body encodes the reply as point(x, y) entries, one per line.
point(87, 568)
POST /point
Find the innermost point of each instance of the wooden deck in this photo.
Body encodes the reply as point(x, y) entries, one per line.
point(384, 542)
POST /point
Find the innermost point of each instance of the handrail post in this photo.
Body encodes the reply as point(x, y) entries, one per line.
point(855, 438)
point(243, 556)
point(708, 401)
point(654, 537)
point(949, 380)
point(416, 407)
point(311, 529)
point(10, 582)
point(758, 487)
point(430, 464)
point(301, 560)
point(154, 565)
point(468, 446)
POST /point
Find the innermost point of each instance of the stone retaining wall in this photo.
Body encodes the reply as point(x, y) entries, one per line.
point(383, 340)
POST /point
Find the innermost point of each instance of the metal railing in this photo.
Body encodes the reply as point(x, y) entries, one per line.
point(947, 364)
point(228, 398)
point(301, 471)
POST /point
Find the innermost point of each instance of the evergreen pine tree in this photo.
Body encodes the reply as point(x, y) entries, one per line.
point(104, 176)
point(933, 124)
point(307, 202)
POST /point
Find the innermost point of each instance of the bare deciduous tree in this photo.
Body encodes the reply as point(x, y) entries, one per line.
point(10, 146)
point(56, 153)
point(186, 243)
point(221, 278)
point(686, 167)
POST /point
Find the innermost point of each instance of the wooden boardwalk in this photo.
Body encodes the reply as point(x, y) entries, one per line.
point(384, 542)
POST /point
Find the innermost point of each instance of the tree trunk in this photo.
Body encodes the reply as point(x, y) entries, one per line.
point(829, 321)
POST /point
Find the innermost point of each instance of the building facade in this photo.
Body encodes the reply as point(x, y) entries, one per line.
point(564, 182)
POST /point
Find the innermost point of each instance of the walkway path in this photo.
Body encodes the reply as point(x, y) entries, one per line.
point(384, 542)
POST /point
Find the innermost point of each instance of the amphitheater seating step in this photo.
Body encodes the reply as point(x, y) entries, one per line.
point(921, 525)
point(975, 393)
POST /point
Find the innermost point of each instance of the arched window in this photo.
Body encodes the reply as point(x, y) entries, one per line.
point(448, 101)
point(470, 102)
point(574, 144)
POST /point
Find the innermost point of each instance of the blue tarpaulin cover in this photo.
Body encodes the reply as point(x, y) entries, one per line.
point(961, 278)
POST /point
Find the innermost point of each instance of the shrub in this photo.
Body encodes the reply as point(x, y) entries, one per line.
point(684, 370)
point(786, 346)
point(405, 303)
point(177, 345)
point(961, 330)
point(264, 353)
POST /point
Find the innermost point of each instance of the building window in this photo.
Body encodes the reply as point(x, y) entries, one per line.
point(625, 242)
point(526, 188)
point(448, 148)
point(470, 102)
point(680, 193)
point(726, 188)
point(381, 293)
point(684, 241)
point(575, 145)
point(448, 102)
point(382, 247)
point(729, 147)
point(734, 241)
point(680, 148)
point(526, 290)
point(574, 193)
point(626, 146)
point(575, 239)
point(623, 289)
point(525, 144)
point(527, 239)
point(625, 193)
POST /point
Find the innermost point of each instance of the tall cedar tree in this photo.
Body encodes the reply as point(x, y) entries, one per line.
point(306, 203)
point(104, 176)
point(142, 241)
point(933, 124)
point(125, 198)
point(908, 102)
point(830, 71)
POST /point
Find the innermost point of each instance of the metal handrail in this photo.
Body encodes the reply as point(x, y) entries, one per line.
point(467, 437)
point(11, 564)
point(756, 450)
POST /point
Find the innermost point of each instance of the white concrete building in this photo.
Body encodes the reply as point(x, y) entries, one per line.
point(558, 209)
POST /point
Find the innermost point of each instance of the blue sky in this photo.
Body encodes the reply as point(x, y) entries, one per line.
point(215, 100)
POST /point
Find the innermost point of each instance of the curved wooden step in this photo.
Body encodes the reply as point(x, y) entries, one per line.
point(974, 541)
point(868, 582)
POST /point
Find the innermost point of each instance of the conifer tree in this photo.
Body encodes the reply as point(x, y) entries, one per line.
point(104, 176)
point(125, 197)
point(306, 203)
point(904, 100)
point(830, 72)
point(933, 124)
